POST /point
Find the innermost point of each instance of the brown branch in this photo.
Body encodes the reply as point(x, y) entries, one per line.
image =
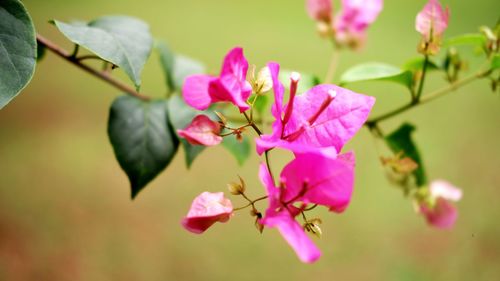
point(104, 76)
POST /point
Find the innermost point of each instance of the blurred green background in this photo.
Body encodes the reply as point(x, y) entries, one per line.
point(65, 211)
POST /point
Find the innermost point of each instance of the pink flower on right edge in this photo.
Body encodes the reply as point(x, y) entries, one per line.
point(200, 91)
point(431, 22)
point(351, 23)
point(316, 177)
point(320, 10)
point(438, 210)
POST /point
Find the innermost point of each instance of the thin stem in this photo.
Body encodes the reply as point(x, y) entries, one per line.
point(268, 164)
point(101, 75)
point(250, 202)
point(333, 66)
point(422, 80)
point(427, 98)
point(250, 121)
point(88, 57)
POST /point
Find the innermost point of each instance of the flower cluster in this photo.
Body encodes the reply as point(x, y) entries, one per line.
point(348, 26)
point(314, 126)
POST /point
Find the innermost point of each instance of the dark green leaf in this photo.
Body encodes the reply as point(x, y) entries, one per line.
point(142, 138)
point(177, 67)
point(240, 150)
point(180, 116)
point(417, 64)
point(377, 72)
point(400, 141)
point(307, 81)
point(121, 40)
point(474, 39)
point(167, 62)
point(40, 52)
point(495, 62)
point(17, 49)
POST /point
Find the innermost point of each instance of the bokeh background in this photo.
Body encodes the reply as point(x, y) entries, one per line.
point(65, 208)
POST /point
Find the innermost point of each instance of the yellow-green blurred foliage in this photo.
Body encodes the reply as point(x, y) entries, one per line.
point(65, 209)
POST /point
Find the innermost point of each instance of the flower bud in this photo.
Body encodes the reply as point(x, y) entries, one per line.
point(319, 10)
point(431, 22)
point(237, 188)
point(262, 82)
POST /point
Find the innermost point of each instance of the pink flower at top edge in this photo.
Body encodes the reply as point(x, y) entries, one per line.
point(319, 10)
point(324, 116)
point(207, 209)
point(432, 21)
point(201, 131)
point(200, 91)
point(352, 21)
point(317, 177)
point(440, 212)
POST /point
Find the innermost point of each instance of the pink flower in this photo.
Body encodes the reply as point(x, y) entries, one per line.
point(439, 212)
point(432, 21)
point(201, 131)
point(353, 20)
point(200, 91)
point(317, 177)
point(207, 209)
point(320, 10)
point(324, 116)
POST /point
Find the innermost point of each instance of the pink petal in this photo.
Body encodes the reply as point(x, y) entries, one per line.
point(232, 85)
point(202, 131)
point(357, 15)
point(207, 209)
point(345, 115)
point(432, 18)
point(277, 109)
point(443, 215)
point(328, 180)
point(195, 91)
point(273, 192)
point(320, 10)
point(294, 234)
point(445, 190)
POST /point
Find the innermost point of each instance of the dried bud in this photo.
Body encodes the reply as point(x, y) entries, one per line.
point(258, 225)
point(399, 164)
point(313, 227)
point(237, 188)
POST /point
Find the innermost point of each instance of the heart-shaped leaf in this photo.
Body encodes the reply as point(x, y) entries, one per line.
point(177, 67)
point(377, 72)
point(17, 49)
point(474, 39)
point(122, 40)
point(240, 149)
point(142, 138)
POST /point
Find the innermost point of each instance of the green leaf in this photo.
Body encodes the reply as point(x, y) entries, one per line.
point(401, 141)
point(261, 104)
point(177, 67)
point(121, 40)
point(180, 116)
point(417, 64)
point(307, 81)
point(17, 49)
point(495, 62)
point(142, 138)
point(377, 72)
point(474, 39)
point(240, 150)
